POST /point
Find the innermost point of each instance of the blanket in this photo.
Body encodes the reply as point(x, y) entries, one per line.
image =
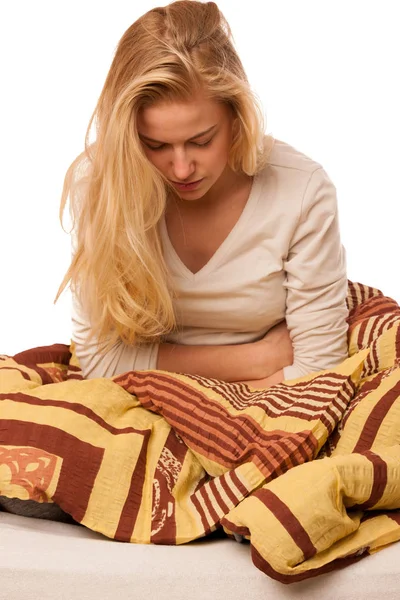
point(307, 472)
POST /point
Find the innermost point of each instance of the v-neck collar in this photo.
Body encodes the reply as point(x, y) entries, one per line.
point(221, 251)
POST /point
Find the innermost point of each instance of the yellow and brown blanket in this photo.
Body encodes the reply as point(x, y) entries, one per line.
point(307, 471)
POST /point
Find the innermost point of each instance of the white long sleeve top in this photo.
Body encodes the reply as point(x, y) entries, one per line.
point(282, 259)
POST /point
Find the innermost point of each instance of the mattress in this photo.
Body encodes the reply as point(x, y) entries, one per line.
point(50, 560)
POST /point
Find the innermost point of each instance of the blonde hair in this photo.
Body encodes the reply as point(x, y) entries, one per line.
point(117, 197)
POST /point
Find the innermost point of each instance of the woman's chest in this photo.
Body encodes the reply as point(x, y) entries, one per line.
point(198, 233)
point(195, 240)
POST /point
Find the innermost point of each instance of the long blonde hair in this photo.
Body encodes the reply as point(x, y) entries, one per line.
point(117, 197)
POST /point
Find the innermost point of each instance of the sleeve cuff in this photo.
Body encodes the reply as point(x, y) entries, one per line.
point(137, 358)
point(292, 372)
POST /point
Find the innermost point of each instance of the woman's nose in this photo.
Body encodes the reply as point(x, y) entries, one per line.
point(183, 167)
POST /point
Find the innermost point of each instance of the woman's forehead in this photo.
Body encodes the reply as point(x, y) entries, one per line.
point(185, 117)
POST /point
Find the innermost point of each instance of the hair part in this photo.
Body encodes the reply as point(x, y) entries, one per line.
point(117, 197)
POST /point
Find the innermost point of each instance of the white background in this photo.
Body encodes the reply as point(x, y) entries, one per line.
point(327, 72)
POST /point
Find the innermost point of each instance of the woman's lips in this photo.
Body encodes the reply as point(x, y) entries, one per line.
point(186, 187)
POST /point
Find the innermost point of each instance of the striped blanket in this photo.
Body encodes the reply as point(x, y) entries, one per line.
point(308, 471)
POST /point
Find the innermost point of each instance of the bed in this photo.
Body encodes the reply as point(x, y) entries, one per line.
point(58, 561)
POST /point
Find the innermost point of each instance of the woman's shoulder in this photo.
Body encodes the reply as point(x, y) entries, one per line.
point(286, 156)
point(292, 180)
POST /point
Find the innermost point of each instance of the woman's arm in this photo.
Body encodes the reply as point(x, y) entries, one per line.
point(316, 283)
point(252, 361)
point(229, 363)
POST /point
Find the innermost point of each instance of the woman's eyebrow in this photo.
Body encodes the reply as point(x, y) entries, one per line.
point(189, 140)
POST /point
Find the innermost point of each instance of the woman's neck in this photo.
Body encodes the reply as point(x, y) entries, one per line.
point(226, 190)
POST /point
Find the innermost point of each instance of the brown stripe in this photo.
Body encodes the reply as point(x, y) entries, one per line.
point(57, 353)
point(330, 424)
point(345, 396)
point(309, 443)
point(206, 494)
point(273, 462)
point(74, 407)
point(24, 375)
point(240, 530)
point(369, 291)
point(134, 499)
point(289, 521)
point(225, 508)
point(379, 483)
point(80, 461)
point(351, 299)
point(242, 489)
point(363, 292)
point(197, 505)
point(394, 515)
point(74, 369)
point(370, 363)
point(288, 452)
point(374, 291)
point(382, 324)
point(367, 366)
point(339, 563)
point(361, 333)
point(228, 490)
point(204, 479)
point(376, 418)
point(375, 309)
point(367, 388)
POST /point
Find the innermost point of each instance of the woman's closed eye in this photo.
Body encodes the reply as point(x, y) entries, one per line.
point(202, 144)
point(163, 146)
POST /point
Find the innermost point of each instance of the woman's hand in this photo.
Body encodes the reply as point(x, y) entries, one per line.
point(276, 349)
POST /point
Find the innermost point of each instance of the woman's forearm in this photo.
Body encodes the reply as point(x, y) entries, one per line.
point(240, 362)
point(229, 363)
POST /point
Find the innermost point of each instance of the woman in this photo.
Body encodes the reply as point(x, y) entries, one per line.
point(199, 244)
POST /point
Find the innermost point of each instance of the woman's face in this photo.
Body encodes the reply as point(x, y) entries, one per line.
point(188, 142)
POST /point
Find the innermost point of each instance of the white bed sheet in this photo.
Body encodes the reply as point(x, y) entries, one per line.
point(49, 560)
